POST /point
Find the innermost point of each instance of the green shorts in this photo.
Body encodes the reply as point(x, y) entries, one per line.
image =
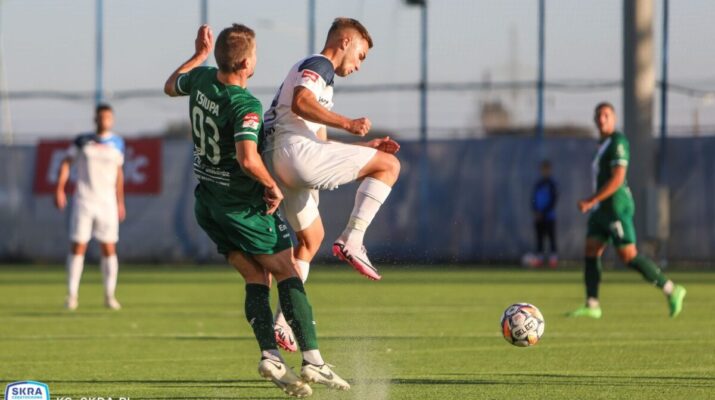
point(244, 228)
point(608, 227)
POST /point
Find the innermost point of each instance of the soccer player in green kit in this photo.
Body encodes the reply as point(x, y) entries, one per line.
point(236, 200)
point(611, 219)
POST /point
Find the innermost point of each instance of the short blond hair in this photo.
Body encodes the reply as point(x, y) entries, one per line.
point(233, 45)
point(340, 24)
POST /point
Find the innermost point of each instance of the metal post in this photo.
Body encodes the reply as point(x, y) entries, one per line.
point(5, 114)
point(638, 99)
point(424, 159)
point(540, 80)
point(423, 75)
point(204, 15)
point(663, 97)
point(99, 52)
point(204, 12)
point(311, 26)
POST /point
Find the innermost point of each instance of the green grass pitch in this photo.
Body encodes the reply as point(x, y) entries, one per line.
point(418, 334)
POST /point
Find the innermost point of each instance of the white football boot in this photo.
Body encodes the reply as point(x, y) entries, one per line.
point(283, 376)
point(357, 258)
point(284, 337)
point(71, 303)
point(112, 303)
point(324, 375)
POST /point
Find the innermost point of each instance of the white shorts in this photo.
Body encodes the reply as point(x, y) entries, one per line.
point(303, 168)
point(101, 223)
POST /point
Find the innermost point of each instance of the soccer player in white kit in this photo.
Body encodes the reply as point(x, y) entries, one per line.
point(303, 161)
point(98, 204)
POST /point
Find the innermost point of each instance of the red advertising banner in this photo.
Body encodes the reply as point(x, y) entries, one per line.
point(142, 166)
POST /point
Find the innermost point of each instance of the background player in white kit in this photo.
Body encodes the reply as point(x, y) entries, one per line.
point(98, 204)
point(303, 161)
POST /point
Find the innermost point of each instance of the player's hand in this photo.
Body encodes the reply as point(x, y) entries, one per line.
point(384, 144)
point(204, 42)
point(121, 212)
point(60, 199)
point(360, 126)
point(273, 197)
point(586, 205)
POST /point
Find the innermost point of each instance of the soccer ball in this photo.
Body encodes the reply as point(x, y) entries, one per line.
point(522, 324)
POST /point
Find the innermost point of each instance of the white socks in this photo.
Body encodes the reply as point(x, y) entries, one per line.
point(313, 357)
point(272, 354)
point(668, 288)
point(304, 267)
point(75, 265)
point(369, 197)
point(110, 268)
point(592, 302)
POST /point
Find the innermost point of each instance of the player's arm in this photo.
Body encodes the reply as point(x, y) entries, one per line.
point(618, 176)
point(383, 144)
point(252, 164)
point(203, 46)
point(63, 175)
point(322, 134)
point(306, 105)
point(122, 211)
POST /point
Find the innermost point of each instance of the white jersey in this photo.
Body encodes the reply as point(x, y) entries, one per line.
point(97, 160)
point(281, 125)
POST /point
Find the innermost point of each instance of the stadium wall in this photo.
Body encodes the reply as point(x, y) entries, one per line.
point(477, 209)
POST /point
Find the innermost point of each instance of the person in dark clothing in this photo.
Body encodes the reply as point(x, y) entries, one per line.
point(543, 201)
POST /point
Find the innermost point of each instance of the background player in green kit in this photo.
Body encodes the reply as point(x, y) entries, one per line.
point(611, 219)
point(236, 199)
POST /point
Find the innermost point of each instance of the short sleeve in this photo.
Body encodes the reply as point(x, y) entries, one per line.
point(247, 123)
point(185, 81)
point(620, 152)
point(122, 150)
point(316, 73)
point(74, 148)
point(72, 151)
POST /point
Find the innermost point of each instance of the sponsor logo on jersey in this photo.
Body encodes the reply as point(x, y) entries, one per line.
point(251, 121)
point(27, 390)
point(310, 75)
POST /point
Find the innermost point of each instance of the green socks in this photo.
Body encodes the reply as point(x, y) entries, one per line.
point(259, 315)
point(649, 270)
point(592, 276)
point(298, 312)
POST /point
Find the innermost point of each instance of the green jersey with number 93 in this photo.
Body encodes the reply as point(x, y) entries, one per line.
point(220, 116)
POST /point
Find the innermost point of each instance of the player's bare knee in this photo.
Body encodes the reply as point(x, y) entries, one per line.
point(593, 249)
point(108, 249)
point(627, 254)
point(78, 249)
point(394, 166)
point(390, 168)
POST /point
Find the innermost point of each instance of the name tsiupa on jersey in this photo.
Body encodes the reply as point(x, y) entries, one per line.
point(222, 115)
point(97, 160)
point(282, 125)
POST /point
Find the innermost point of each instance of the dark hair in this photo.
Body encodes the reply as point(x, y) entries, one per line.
point(342, 23)
point(233, 46)
point(102, 107)
point(604, 104)
point(545, 164)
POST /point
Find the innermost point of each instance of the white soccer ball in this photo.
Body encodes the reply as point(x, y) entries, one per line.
point(522, 324)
